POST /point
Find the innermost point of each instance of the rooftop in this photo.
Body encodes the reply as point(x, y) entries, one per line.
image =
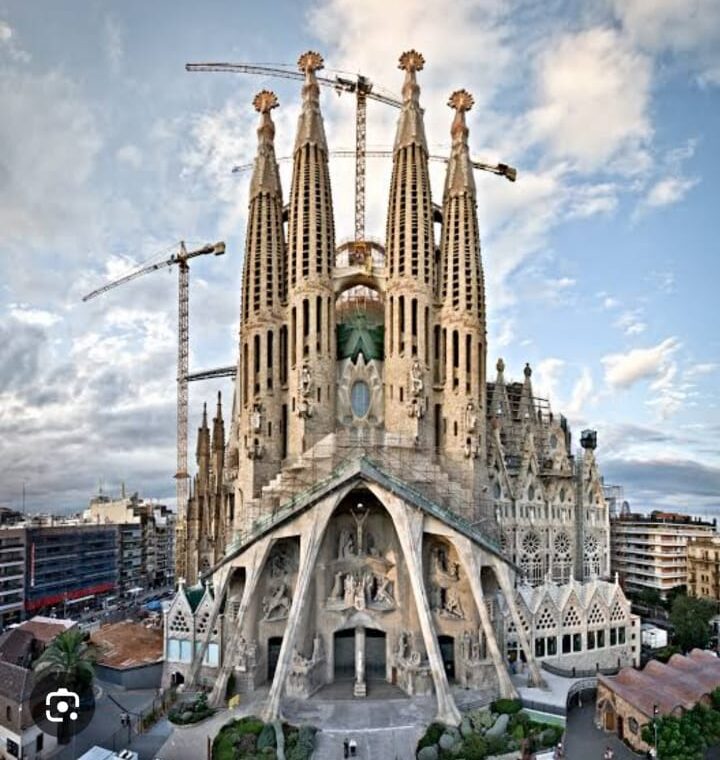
point(681, 683)
point(663, 518)
point(45, 629)
point(128, 644)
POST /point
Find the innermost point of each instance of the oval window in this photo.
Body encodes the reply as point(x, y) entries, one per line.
point(360, 398)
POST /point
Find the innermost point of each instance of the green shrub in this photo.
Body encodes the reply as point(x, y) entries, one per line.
point(498, 745)
point(303, 746)
point(431, 736)
point(266, 738)
point(506, 706)
point(249, 725)
point(518, 731)
point(474, 747)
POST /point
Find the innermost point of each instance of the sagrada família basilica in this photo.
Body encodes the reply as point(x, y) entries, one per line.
point(382, 510)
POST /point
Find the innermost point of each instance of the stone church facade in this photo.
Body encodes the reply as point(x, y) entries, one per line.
point(379, 504)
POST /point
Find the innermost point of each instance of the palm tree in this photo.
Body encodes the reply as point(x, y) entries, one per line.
point(69, 658)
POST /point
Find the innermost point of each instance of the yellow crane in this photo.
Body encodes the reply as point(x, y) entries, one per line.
point(180, 259)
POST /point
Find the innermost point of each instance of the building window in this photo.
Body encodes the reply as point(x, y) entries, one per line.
point(613, 637)
point(577, 642)
point(601, 639)
point(591, 640)
point(567, 643)
point(540, 647)
point(633, 725)
point(360, 398)
point(621, 635)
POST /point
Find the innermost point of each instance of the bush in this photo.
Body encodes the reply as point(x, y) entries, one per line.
point(497, 745)
point(431, 736)
point(248, 725)
point(506, 706)
point(474, 747)
point(518, 731)
point(266, 738)
point(303, 745)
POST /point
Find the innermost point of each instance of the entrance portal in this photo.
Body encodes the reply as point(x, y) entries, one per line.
point(273, 654)
point(344, 654)
point(375, 654)
point(447, 652)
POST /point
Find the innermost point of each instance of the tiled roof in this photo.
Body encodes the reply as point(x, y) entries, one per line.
point(45, 629)
point(15, 682)
point(16, 646)
point(681, 683)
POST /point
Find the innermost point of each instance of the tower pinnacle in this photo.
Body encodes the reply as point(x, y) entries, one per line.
point(266, 178)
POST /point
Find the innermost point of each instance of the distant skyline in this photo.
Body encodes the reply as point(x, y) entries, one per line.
point(601, 262)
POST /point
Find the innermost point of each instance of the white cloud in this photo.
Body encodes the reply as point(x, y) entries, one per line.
point(130, 155)
point(624, 370)
point(581, 393)
point(592, 94)
point(546, 375)
point(630, 322)
point(688, 27)
point(5, 31)
point(610, 303)
point(668, 190)
point(114, 47)
point(30, 316)
point(701, 369)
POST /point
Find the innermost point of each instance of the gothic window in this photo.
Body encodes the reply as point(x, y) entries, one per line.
point(179, 623)
point(531, 492)
point(531, 542)
point(360, 398)
point(618, 613)
point(596, 616)
point(201, 625)
point(532, 568)
point(591, 553)
point(562, 543)
point(523, 622)
point(562, 494)
point(545, 620)
point(497, 490)
point(572, 617)
point(562, 559)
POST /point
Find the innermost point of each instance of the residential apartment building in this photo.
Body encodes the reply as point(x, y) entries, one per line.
point(651, 551)
point(147, 540)
point(70, 566)
point(704, 567)
point(12, 576)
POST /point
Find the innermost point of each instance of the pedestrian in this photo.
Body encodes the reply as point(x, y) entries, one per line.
point(346, 748)
point(353, 748)
point(558, 754)
point(609, 754)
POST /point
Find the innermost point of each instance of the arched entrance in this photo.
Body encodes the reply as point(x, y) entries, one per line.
point(375, 655)
point(273, 654)
point(344, 655)
point(447, 652)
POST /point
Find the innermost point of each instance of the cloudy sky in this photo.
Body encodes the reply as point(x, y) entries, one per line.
point(601, 262)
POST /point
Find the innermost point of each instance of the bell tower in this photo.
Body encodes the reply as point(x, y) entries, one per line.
point(310, 296)
point(410, 252)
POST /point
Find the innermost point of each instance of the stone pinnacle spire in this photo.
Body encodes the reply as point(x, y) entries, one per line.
point(264, 242)
point(410, 127)
point(310, 124)
point(461, 278)
point(410, 243)
point(265, 178)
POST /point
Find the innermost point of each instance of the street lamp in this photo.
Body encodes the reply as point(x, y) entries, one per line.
point(655, 728)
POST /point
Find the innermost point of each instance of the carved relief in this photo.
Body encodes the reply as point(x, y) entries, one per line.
point(360, 590)
point(305, 675)
point(276, 604)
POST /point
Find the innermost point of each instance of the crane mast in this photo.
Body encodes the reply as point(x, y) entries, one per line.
point(180, 260)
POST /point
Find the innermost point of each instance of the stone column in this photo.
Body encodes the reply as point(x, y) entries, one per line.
point(360, 687)
point(310, 539)
point(254, 561)
point(409, 526)
point(473, 565)
point(503, 575)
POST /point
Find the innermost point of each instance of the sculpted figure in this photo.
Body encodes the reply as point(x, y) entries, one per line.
point(337, 589)
point(416, 379)
point(305, 381)
point(452, 604)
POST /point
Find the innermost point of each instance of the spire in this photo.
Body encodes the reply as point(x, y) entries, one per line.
point(410, 243)
point(461, 280)
point(264, 240)
point(411, 129)
point(311, 228)
point(265, 178)
point(203, 447)
point(218, 436)
point(310, 124)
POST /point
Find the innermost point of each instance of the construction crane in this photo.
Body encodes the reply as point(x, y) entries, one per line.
point(358, 84)
point(180, 259)
point(363, 89)
point(502, 170)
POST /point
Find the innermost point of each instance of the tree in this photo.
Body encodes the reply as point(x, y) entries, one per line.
point(69, 658)
point(691, 620)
